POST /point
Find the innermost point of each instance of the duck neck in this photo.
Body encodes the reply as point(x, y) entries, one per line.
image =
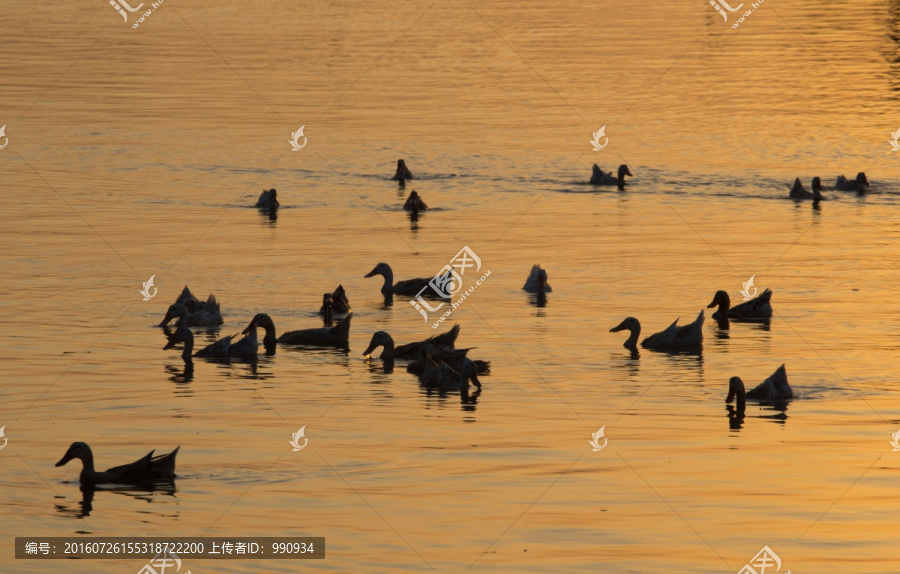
point(736, 392)
point(87, 466)
point(270, 338)
point(388, 353)
point(388, 286)
point(631, 341)
point(620, 181)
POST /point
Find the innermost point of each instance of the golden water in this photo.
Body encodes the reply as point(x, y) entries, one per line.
point(136, 152)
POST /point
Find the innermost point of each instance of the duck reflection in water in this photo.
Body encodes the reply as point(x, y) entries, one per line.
point(181, 376)
point(85, 506)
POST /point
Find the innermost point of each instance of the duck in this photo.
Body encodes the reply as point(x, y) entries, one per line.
point(774, 388)
point(798, 192)
point(409, 350)
point(414, 202)
point(599, 177)
point(148, 469)
point(537, 281)
point(204, 314)
point(859, 184)
point(245, 348)
point(339, 302)
point(449, 355)
point(684, 338)
point(268, 199)
point(441, 375)
point(406, 287)
point(337, 336)
point(756, 308)
point(403, 172)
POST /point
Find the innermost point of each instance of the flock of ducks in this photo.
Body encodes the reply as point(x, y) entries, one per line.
point(859, 185)
point(436, 360)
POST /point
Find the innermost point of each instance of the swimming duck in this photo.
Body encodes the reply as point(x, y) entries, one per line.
point(406, 287)
point(537, 281)
point(268, 199)
point(774, 388)
point(338, 301)
point(449, 355)
point(148, 469)
point(204, 314)
point(443, 376)
point(599, 177)
point(685, 338)
point(337, 336)
point(756, 308)
point(414, 202)
point(403, 172)
point(798, 192)
point(409, 350)
point(859, 184)
point(245, 348)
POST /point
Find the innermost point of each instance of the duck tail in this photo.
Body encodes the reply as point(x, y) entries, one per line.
point(766, 295)
point(211, 303)
point(447, 339)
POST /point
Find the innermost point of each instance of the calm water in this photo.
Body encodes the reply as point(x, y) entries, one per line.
point(135, 152)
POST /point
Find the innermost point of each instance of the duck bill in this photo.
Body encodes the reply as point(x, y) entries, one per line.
point(251, 326)
point(369, 349)
point(475, 380)
point(628, 173)
point(169, 317)
point(371, 273)
point(617, 328)
point(64, 460)
point(711, 305)
point(170, 344)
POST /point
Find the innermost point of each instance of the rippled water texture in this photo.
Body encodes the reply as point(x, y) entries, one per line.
point(136, 152)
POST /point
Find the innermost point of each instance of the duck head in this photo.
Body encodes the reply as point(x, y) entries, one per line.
point(469, 372)
point(720, 299)
point(817, 188)
point(623, 171)
point(382, 269)
point(380, 339)
point(632, 325)
point(861, 180)
point(78, 450)
point(176, 310)
point(263, 321)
